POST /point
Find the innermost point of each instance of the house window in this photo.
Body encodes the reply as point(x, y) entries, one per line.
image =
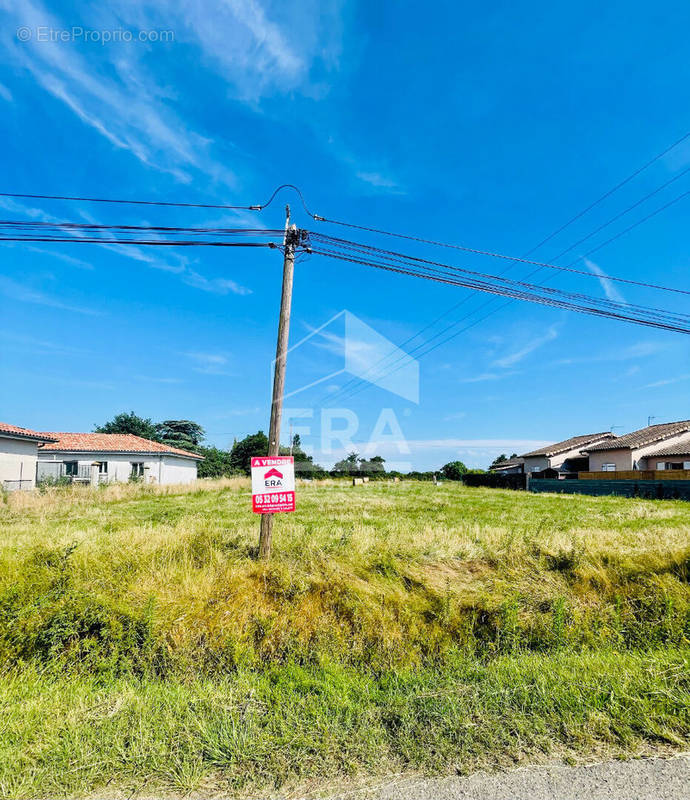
point(71, 468)
point(102, 467)
point(137, 469)
point(674, 465)
point(608, 467)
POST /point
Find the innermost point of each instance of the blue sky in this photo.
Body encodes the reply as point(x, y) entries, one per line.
point(488, 127)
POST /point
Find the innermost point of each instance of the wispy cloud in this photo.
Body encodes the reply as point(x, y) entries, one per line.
point(31, 344)
point(667, 381)
point(638, 350)
point(215, 285)
point(209, 363)
point(26, 294)
point(456, 415)
point(380, 181)
point(537, 342)
point(609, 289)
point(73, 262)
point(487, 376)
point(120, 100)
point(176, 263)
point(5, 93)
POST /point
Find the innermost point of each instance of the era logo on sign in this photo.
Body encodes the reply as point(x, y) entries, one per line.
point(273, 484)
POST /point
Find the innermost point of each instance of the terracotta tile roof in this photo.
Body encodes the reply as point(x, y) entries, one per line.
point(23, 433)
point(644, 437)
point(574, 443)
point(110, 443)
point(680, 449)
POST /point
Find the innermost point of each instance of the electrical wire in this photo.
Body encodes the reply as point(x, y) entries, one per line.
point(518, 294)
point(334, 245)
point(541, 265)
point(119, 201)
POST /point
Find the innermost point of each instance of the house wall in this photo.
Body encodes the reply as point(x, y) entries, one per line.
point(624, 459)
point(654, 461)
point(18, 462)
point(159, 469)
point(179, 470)
point(536, 463)
point(621, 458)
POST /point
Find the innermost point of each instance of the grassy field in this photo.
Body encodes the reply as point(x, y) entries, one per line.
point(398, 627)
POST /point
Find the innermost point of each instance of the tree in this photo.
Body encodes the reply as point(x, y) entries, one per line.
point(372, 467)
point(453, 470)
point(181, 433)
point(347, 466)
point(256, 444)
point(216, 463)
point(130, 423)
point(304, 464)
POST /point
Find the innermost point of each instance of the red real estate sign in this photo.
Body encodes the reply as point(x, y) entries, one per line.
point(273, 484)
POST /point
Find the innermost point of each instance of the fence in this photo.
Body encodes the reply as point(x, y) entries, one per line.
point(515, 480)
point(674, 489)
point(56, 470)
point(14, 486)
point(638, 475)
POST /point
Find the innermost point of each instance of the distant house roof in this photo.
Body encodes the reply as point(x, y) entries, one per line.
point(681, 449)
point(574, 443)
point(644, 437)
point(23, 433)
point(110, 443)
point(509, 463)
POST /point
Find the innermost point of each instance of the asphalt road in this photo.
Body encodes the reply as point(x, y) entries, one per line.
point(643, 779)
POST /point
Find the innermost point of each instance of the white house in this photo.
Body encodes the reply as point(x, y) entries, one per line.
point(18, 456)
point(115, 457)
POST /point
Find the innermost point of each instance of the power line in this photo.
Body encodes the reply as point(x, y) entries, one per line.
point(524, 259)
point(522, 294)
point(340, 246)
point(543, 264)
point(120, 201)
point(361, 383)
point(164, 236)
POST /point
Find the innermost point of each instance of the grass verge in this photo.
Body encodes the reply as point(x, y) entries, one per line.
point(67, 735)
point(399, 626)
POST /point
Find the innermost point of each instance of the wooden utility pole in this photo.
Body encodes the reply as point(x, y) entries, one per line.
point(289, 243)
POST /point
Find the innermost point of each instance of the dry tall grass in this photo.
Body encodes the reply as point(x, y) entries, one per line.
point(391, 573)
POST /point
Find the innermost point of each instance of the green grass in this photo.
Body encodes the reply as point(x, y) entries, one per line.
point(399, 626)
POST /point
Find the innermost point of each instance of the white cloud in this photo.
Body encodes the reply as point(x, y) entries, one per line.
point(73, 262)
point(180, 266)
point(609, 289)
point(5, 93)
point(119, 99)
point(456, 415)
point(209, 363)
point(380, 181)
point(25, 294)
point(487, 376)
point(519, 355)
point(637, 350)
point(667, 381)
point(215, 285)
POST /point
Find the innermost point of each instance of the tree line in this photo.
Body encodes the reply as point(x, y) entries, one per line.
point(188, 435)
